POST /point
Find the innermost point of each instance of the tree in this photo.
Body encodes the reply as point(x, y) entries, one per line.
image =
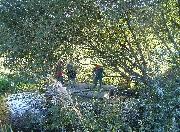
point(39, 32)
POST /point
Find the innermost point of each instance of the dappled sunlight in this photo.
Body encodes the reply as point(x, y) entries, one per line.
point(89, 65)
point(2, 68)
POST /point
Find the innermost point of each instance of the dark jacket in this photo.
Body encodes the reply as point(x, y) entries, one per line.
point(98, 72)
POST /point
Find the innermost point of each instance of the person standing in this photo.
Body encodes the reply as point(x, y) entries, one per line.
point(98, 72)
point(71, 73)
point(59, 72)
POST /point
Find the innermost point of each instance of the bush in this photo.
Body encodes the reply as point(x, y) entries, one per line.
point(5, 85)
point(3, 113)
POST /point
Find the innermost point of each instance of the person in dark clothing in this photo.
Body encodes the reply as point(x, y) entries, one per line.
point(71, 73)
point(98, 72)
point(59, 72)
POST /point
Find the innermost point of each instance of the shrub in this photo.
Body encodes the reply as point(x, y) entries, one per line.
point(5, 85)
point(3, 114)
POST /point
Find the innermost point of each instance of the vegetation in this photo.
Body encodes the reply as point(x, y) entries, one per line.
point(136, 41)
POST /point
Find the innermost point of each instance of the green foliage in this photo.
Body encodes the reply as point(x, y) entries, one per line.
point(6, 128)
point(5, 85)
point(37, 33)
point(98, 116)
point(3, 113)
point(62, 117)
point(136, 40)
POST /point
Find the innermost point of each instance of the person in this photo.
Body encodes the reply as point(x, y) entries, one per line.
point(71, 73)
point(59, 72)
point(98, 72)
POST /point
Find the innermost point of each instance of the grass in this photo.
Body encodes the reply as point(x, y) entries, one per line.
point(3, 112)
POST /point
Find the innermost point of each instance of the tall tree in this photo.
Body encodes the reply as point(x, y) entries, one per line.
point(123, 35)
